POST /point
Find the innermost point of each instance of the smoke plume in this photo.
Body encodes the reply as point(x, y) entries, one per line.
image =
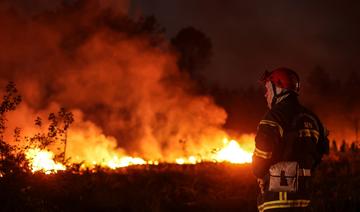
point(117, 76)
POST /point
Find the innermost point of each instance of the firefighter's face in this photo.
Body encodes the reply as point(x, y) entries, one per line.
point(269, 93)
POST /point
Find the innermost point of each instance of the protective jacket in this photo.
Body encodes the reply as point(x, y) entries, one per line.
point(290, 137)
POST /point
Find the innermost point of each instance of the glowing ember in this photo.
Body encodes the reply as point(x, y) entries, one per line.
point(233, 153)
point(188, 160)
point(153, 162)
point(42, 160)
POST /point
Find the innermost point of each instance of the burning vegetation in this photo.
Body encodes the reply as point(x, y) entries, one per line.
point(128, 103)
point(109, 118)
point(39, 149)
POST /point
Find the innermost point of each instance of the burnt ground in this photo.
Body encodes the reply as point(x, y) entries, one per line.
point(169, 187)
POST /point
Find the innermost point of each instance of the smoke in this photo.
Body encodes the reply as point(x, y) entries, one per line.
point(336, 101)
point(117, 75)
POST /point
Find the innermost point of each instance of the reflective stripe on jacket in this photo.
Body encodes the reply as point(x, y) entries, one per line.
point(281, 136)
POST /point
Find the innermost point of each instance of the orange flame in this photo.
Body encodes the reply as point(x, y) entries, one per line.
point(42, 160)
point(125, 161)
point(231, 151)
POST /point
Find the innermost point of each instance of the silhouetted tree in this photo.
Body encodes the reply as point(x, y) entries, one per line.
point(57, 131)
point(10, 100)
point(343, 147)
point(353, 147)
point(195, 50)
point(56, 134)
point(9, 159)
point(150, 24)
point(327, 147)
point(334, 146)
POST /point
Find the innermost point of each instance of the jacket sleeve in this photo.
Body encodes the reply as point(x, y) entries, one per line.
point(268, 135)
point(322, 146)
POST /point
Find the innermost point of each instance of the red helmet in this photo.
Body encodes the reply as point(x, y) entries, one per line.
point(283, 78)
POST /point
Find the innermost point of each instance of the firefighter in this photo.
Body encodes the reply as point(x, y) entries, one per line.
point(289, 144)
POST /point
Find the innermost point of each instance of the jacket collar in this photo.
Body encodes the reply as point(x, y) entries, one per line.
point(288, 97)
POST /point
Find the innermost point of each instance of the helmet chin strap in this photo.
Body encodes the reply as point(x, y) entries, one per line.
point(276, 95)
point(274, 98)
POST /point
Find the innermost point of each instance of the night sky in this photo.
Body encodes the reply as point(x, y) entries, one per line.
point(251, 36)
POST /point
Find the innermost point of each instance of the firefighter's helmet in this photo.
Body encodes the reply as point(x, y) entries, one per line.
point(283, 78)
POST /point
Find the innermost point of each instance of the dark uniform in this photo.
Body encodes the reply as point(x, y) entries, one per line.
point(288, 132)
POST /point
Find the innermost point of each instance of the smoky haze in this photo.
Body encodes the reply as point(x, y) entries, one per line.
point(334, 100)
point(249, 37)
point(120, 80)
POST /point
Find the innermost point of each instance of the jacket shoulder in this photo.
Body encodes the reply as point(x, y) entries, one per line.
point(275, 115)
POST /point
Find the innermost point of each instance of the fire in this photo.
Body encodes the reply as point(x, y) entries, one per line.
point(188, 160)
point(230, 151)
point(131, 103)
point(125, 161)
point(42, 160)
point(233, 153)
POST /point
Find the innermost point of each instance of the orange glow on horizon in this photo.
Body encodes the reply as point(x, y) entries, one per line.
point(231, 151)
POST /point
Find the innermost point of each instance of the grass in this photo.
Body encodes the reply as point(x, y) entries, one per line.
point(170, 187)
